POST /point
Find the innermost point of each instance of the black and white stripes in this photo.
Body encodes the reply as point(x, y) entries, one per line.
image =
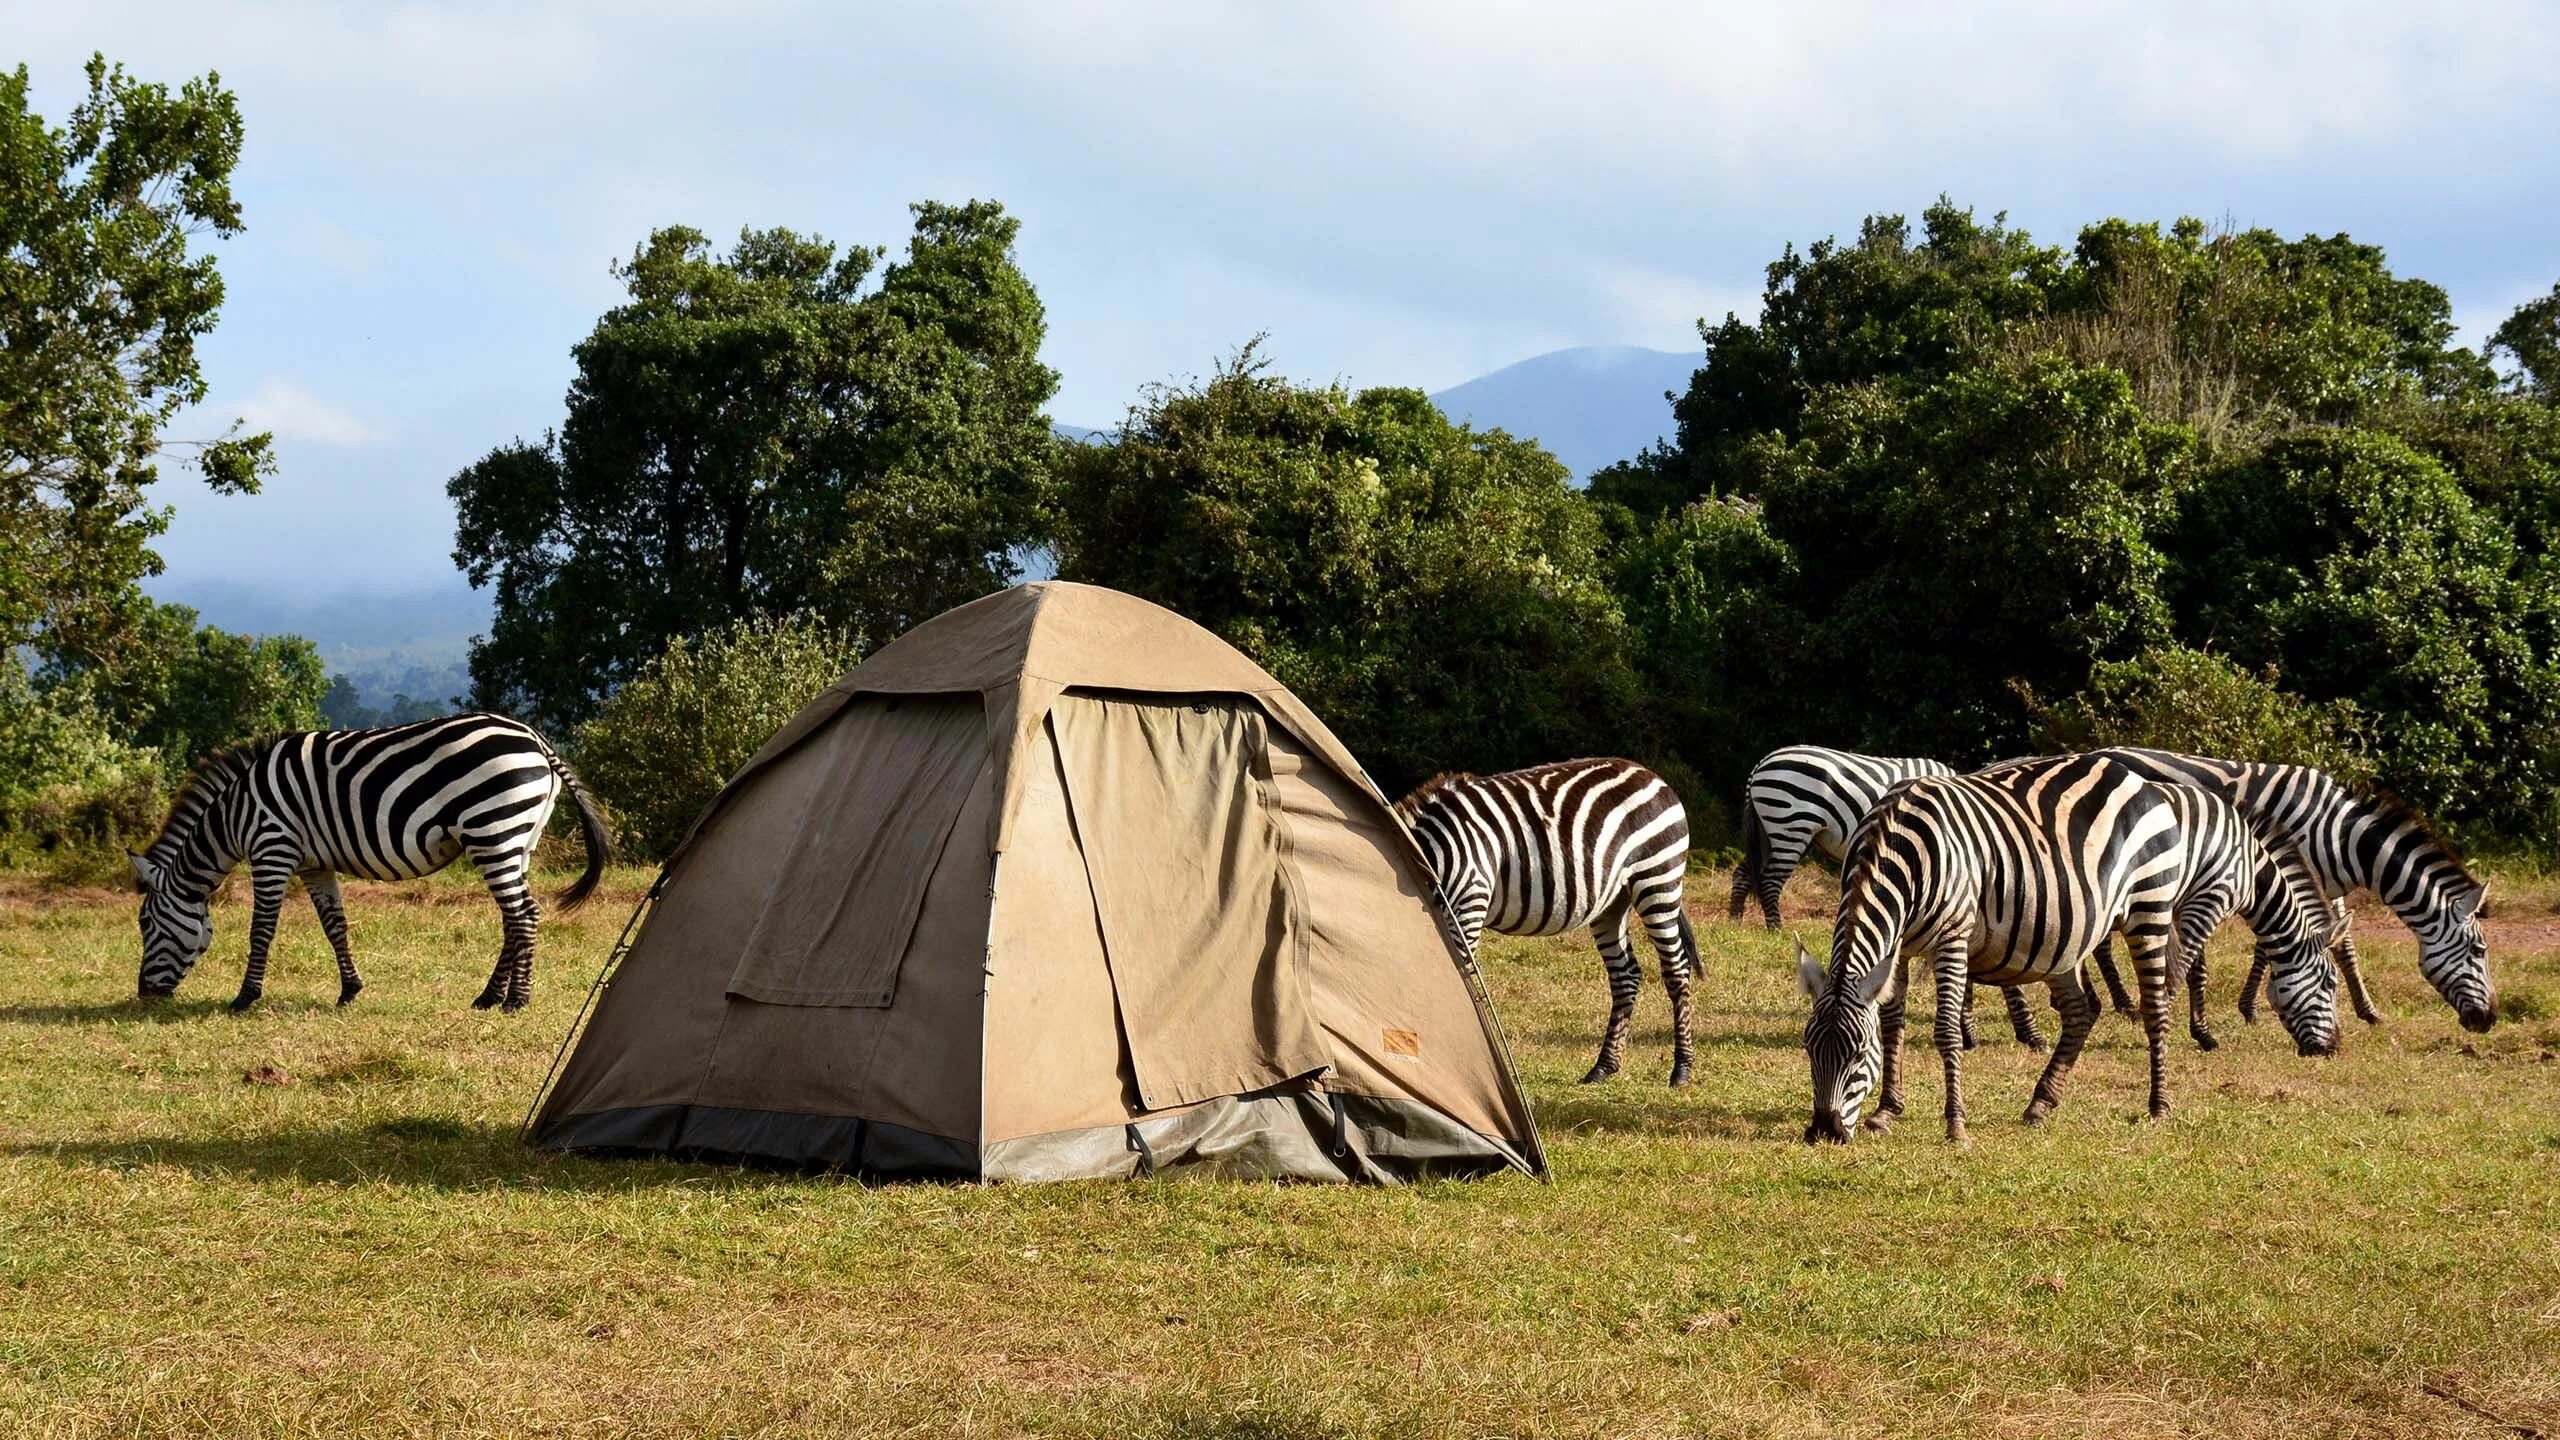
point(2350, 842)
point(1550, 849)
point(389, 804)
point(1804, 798)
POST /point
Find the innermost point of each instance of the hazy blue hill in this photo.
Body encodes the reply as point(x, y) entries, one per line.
point(414, 641)
point(1591, 405)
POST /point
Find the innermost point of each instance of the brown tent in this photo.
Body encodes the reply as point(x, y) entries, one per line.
point(1058, 885)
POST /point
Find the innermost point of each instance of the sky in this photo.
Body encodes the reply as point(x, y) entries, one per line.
point(1398, 193)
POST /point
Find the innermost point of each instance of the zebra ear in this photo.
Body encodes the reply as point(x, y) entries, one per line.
point(1875, 982)
point(142, 867)
point(1809, 972)
point(2479, 903)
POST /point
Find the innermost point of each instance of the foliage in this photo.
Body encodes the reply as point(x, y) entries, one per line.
point(2173, 698)
point(761, 433)
point(101, 305)
point(2531, 338)
point(662, 746)
point(343, 707)
point(1978, 470)
point(2362, 570)
point(1436, 593)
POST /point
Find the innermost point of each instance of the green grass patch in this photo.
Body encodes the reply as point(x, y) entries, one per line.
point(354, 1241)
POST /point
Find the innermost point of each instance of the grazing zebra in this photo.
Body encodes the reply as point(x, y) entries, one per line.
point(2352, 842)
point(2014, 876)
point(1546, 850)
point(2231, 869)
point(1805, 797)
point(389, 804)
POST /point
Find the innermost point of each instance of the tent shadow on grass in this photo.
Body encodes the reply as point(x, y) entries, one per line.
point(1657, 1110)
point(436, 1152)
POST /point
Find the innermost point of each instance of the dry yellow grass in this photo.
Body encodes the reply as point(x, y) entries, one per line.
point(2365, 1246)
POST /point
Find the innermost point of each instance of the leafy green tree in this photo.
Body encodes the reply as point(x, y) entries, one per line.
point(102, 301)
point(1437, 593)
point(662, 746)
point(2531, 338)
point(2362, 570)
point(764, 432)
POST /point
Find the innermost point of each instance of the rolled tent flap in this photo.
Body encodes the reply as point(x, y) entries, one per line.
point(1201, 926)
point(893, 773)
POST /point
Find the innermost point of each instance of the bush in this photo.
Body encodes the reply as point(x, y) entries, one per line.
point(664, 744)
point(2173, 698)
point(73, 795)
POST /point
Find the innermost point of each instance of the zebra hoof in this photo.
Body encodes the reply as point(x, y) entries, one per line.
point(512, 1004)
point(244, 1000)
point(1599, 1073)
point(2036, 1111)
point(1880, 1122)
point(1680, 1074)
point(2204, 1039)
point(348, 992)
point(487, 998)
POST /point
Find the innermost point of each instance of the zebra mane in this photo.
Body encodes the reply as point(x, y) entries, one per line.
point(1411, 805)
point(2386, 803)
point(212, 772)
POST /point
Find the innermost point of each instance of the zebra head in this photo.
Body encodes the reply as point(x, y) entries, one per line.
point(1844, 1038)
point(2453, 951)
point(2305, 990)
point(176, 930)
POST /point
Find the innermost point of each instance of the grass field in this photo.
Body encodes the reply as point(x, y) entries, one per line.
point(304, 1221)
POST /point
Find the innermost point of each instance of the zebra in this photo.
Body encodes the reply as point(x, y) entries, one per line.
point(1552, 848)
point(2014, 876)
point(2351, 842)
point(1802, 798)
point(389, 804)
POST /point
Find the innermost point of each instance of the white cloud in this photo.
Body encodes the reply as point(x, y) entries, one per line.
point(294, 413)
point(1663, 308)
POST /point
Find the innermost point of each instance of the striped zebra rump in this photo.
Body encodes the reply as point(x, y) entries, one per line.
point(387, 804)
point(2011, 876)
point(2353, 841)
point(1802, 798)
point(1598, 843)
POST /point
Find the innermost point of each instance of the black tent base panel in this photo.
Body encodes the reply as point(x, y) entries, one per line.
point(767, 1139)
point(1286, 1134)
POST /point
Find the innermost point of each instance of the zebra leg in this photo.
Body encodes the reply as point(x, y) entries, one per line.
point(2022, 1021)
point(511, 981)
point(1892, 1016)
point(267, 884)
point(1786, 852)
point(331, 907)
point(2193, 974)
point(2249, 989)
point(1955, 990)
point(2079, 1006)
point(1666, 925)
point(2152, 956)
point(2347, 971)
point(1969, 1041)
point(2116, 996)
point(1618, 957)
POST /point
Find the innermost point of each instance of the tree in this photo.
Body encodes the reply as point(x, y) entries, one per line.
point(101, 305)
point(2531, 338)
point(1434, 591)
point(763, 433)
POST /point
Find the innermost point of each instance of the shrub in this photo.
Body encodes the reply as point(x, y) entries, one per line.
point(72, 794)
point(664, 744)
point(2173, 698)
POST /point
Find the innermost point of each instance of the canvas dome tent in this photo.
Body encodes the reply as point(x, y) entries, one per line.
point(1058, 885)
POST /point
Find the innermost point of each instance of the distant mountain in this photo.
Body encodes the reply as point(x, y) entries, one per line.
point(1592, 405)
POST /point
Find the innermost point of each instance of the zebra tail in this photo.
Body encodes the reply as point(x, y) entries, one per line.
point(1689, 945)
point(1755, 854)
point(591, 828)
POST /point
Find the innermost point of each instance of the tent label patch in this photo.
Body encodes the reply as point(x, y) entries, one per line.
point(1403, 1042)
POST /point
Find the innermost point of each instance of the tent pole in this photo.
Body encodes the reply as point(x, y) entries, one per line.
point(621, 947)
